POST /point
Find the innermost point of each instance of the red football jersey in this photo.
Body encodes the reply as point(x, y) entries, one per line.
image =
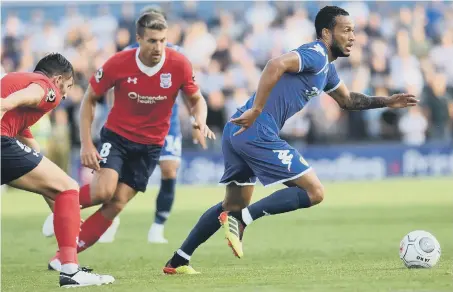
point(18, 121)
point(144, 96)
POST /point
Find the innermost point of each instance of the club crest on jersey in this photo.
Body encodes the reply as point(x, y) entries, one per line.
point(165, 80)
point(51, 95)
point(99, 74)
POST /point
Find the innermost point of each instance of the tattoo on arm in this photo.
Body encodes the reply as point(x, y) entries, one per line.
point(360, 101)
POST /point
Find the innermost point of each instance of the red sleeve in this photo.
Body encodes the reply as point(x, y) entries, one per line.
point(104, 78)
point(189, 87)
point(26, 133)
point(50, 99)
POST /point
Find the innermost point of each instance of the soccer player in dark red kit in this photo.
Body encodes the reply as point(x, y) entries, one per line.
point(26, 97)
point(146, 82)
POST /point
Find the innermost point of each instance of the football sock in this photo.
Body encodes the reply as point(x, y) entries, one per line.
point(281, 201)
point(206, 226)
point(164, 200)
point(85, 197)
point(67, 228)
point(92, 229)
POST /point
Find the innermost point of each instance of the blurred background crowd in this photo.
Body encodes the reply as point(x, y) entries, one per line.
point(400, 47)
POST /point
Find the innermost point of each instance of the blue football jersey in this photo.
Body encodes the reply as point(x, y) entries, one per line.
point(294, 90)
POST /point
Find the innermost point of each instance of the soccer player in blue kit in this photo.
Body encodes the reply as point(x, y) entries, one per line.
point(253, 149)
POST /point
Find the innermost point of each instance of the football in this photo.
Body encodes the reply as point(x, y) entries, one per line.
point(419, 249)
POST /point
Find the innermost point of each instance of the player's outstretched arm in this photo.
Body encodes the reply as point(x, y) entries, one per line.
point(273, 71)
point(359, 101)
point(88, 153)
point(30, 96)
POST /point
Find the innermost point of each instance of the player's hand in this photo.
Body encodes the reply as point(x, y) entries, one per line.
point(90, 157)
point(246, 120)
point(198, 137)
point(202, 127)
point(401, 100)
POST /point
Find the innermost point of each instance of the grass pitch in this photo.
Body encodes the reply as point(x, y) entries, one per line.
point(348, 243)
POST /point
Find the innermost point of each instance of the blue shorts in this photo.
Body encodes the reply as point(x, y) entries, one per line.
point(134, 162)
point(259, 152)
point(17, 159)
point(172, 145)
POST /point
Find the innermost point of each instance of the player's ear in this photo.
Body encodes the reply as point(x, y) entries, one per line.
point(326, 34)
point(57, 79)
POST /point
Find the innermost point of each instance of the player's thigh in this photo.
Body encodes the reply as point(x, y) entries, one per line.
point(113, 150)
point(104, 184)
point(237, 197)
point(272, 159)
point(310, 182)
point(236, 169)
point(169, 168)
point(46, 179)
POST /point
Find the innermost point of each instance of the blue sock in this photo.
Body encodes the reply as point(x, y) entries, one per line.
point(206, 226)
point(281, 201)
point(164, 200)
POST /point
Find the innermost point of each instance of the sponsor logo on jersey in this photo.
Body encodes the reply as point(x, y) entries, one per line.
point(146, 99)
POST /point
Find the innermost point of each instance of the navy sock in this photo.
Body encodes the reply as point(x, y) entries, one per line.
point(164, 200)
point(206, 226)
point(281, 201)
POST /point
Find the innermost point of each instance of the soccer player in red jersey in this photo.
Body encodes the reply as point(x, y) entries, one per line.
point(26, 97)
point(146, 82)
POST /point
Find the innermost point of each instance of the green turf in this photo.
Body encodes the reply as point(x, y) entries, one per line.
point(348, 243)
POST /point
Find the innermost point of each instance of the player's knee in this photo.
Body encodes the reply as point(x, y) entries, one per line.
point(169, 169)
point(65, 184)
point(169, 173)
point(316, 194)
point(235, 205)
point(104, 193)
point(114, 207)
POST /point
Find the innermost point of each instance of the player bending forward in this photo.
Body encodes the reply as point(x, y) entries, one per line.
point(252, 147)
point(26, 97)
point(169, 163)
point(146, 81)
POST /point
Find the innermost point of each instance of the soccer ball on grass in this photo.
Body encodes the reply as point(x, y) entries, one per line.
point(419, 249)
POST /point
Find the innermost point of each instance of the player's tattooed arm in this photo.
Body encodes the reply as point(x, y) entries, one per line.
point(359, 101)
point(30, 96)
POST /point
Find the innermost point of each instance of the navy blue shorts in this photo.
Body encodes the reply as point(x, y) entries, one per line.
point(17, 159)
point(134, 162)
point(259, 152)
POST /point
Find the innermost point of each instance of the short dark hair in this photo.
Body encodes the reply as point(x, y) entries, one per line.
point(326, 18)
point(153, 9)
point(55, 64)
point(151, 20)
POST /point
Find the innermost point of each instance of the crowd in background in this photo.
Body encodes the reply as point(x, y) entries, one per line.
point(398, 48)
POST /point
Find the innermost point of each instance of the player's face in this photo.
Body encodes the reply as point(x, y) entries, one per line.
point(152, 44)
point(342, 37)
point(64, 84)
